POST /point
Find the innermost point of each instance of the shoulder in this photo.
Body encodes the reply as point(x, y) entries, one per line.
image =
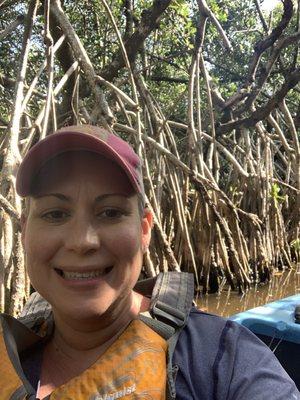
point(220, 359)
point(197, 350)
point(205, 332)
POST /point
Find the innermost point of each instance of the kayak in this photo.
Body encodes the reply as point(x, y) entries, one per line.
point(277, 324)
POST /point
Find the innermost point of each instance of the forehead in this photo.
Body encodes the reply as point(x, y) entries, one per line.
point(81, 167)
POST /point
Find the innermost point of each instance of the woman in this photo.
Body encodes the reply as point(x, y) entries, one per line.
point(84, 230)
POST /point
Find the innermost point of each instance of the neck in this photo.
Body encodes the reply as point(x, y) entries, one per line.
point(77, 336)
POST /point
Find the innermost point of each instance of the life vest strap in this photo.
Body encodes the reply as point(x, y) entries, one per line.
point(171, 302)
point(164, 330)
point(172, 298)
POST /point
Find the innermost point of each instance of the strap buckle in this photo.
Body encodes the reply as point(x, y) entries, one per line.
point(169, 314)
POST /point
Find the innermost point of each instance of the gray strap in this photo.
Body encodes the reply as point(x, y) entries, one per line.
point(36, 310)
point(164, 330)
point(172, 298)
point(171, 302)
point(20, 394)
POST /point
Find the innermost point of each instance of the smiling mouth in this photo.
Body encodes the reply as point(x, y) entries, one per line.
point(71, 275)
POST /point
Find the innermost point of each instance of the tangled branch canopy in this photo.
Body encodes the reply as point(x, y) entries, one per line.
point(208, 94)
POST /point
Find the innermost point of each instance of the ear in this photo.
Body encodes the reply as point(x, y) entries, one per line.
point(23, 228)
point(147, 223)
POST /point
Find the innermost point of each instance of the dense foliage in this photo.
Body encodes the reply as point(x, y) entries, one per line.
point(209, 95)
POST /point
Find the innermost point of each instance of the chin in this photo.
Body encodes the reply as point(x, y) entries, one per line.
point(89, 312)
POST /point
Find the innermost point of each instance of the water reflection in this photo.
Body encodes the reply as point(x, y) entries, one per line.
point(229, 302)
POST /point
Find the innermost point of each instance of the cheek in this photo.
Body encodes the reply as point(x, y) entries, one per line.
point(38, 246)
point(127, 243)
point(39, 250)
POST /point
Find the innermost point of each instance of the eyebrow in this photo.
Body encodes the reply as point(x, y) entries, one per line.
point(60, 196)
point(105, 196)
point(98, 199)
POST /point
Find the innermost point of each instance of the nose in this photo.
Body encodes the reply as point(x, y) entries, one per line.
point(82, 238)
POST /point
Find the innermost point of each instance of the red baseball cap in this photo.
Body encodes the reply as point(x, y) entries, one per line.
point(80, 137)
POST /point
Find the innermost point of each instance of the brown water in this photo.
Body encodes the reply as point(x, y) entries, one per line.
point(229, 302)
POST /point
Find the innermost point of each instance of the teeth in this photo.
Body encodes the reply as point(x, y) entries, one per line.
point(82, 275)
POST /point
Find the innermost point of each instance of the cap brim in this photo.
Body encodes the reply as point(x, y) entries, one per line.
point(58, 143)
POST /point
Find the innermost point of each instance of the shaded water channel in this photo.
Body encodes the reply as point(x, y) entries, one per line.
point(229, 302)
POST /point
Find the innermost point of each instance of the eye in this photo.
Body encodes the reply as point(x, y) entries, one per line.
point(55, 215)
point(111, 213)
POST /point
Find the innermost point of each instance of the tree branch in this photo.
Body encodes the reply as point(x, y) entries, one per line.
point(264, 111)
point(266, 71)
point(261, 16)
point(8, 208)
point(105, 114)
point(262, 45)
point(205, 10)
point(168, 79)
point(11, 27)
point(150, 20)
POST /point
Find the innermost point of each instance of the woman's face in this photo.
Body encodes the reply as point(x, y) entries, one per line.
point(83, 236)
